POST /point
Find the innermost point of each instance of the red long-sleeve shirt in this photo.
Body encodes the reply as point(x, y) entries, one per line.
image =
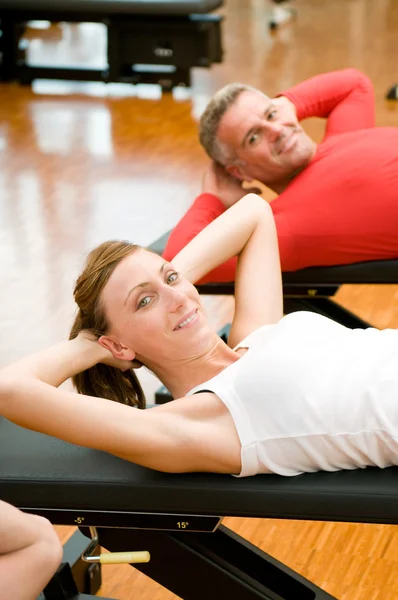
point(343, 207)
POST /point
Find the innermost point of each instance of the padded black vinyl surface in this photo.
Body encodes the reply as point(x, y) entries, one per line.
point(113, 7)
point(377, 271)
point(38, 471)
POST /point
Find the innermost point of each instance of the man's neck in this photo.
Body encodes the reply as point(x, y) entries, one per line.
point(281, 185)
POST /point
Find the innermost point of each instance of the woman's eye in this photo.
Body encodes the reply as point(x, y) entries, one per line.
point(144, 301)
point(253, 138)
point(172, 277)
point(271, 115)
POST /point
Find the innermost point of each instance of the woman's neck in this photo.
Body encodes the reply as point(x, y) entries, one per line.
point(182, 376)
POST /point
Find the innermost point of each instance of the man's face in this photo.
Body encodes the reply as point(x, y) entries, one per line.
point(266, 137)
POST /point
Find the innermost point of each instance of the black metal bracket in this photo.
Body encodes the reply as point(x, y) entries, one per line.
point(74, 578)
point(62, 586)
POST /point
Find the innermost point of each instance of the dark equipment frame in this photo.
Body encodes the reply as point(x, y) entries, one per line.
point(142, 48)
point(223, 563)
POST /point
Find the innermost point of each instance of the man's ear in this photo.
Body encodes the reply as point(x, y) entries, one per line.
point(116, 348)
point(237, 171)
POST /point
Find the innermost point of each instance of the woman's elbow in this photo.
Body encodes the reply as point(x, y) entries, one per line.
point(256, 204)
point(7, 387)
point(12, 385)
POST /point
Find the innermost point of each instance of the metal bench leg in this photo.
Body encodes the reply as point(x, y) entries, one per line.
point(213, 565)
point(74, 578)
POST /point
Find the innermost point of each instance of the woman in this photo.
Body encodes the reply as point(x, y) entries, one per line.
point(289, 395)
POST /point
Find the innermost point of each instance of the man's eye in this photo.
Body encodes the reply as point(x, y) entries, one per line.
point(144, 301)
point(253, 138)
point(172, 277)
point(271, 115)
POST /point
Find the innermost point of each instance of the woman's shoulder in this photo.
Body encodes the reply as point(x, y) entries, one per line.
point(255, 336)
point(291, 324)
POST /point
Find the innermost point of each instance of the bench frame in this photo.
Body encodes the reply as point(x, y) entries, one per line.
point(313, 288)
point(176, 517)
point(223, 563)
point(315, 297)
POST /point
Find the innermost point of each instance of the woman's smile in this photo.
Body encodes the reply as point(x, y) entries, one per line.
point(187, 320)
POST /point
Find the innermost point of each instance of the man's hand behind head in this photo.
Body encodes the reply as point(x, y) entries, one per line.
point(285, 107)
point(229, 189)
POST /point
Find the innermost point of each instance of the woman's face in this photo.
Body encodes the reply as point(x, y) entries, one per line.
point(154, 311)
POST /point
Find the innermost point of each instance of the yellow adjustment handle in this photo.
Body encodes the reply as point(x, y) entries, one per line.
point(116, 558)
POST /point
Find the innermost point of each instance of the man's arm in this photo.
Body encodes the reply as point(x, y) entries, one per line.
point(345, 98)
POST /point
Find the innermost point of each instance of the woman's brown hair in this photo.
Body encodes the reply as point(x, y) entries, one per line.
point(102, 380)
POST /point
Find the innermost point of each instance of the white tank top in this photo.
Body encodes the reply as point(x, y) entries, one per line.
point(310, 394)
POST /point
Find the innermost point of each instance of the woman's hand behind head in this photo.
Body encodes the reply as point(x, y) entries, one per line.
point(105, 356)
point(123, 365)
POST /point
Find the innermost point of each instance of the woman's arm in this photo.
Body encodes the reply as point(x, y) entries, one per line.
point(246, 230)
point(219, 192)
point(58, 363)
point(151, 438)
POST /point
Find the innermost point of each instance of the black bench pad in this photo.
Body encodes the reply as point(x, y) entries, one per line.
point(112, 7)
point(38, 471)
point(377, 271)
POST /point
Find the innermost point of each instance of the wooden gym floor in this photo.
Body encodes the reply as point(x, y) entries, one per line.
point(81, 163)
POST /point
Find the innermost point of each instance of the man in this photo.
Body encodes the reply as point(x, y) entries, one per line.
point(337, 201)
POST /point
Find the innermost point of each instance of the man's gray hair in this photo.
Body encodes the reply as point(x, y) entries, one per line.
point(211, 118)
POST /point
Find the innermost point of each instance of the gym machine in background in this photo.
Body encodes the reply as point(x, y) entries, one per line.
point(147, 42)
point(282, 12)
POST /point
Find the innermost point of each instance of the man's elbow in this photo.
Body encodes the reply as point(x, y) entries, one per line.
point(361, 80)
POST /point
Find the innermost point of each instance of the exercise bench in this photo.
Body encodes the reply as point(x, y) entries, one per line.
point(313, 288)
point(177, 518)
point(148, 41)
